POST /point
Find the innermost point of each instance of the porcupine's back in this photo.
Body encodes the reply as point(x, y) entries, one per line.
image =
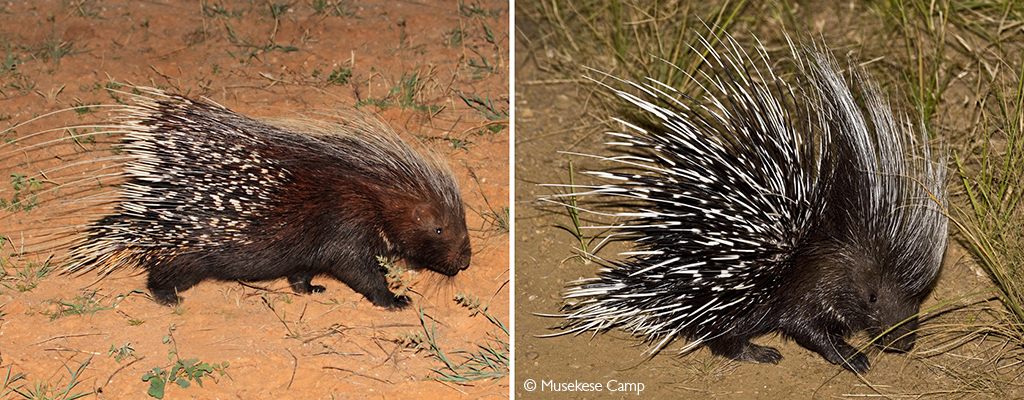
point(766, 207)
point(214, 194)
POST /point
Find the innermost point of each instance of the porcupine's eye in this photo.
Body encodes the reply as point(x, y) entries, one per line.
point(873, 298)
point(438, 231)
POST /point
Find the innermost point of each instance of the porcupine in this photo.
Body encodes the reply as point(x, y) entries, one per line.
point(214, 194)
point(768, 207)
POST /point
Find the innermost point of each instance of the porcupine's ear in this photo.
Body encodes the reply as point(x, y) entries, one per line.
point(426, 215)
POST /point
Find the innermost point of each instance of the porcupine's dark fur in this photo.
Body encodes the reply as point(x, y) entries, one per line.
point(766, 207)
point(216, 195)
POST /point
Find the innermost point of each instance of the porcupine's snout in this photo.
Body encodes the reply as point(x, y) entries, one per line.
point(463, 256)
point(465, 260)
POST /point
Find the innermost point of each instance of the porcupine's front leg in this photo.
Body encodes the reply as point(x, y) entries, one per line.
point(834, 349)
point(368, 281)
point(740, 348)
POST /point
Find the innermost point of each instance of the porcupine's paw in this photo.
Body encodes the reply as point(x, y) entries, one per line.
point(391, 302)
point(857, 363)
point(401, 302)
point(761, 354)
point(165, 297)
point(742, 350)
point(166, 283)
point(847, 356)
point(300, 284)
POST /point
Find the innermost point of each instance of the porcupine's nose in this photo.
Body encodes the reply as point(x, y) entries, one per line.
point(465, 253)
point(464, 258)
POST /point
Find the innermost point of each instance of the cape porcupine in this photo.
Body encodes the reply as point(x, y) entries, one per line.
point(214, 194)
point(767, 208)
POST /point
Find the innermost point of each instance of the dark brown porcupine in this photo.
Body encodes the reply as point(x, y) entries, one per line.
point(212, 194)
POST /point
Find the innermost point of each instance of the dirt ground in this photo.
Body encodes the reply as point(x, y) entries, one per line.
point(554, 113)
point(437, 71)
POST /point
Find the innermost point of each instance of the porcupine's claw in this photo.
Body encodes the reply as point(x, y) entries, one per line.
point(300, 284)
point(401, 302)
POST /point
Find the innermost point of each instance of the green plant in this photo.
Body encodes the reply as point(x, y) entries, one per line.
point(81, 108)
point(25, 193)
point(10, 63)
point(453, 37)
point(181, 372)
point(571, 203)
point(80, 305)
point(19, 82)
point(497, 116)
point(339, 76)
point(498, 219)
point(277, 9)
point(54, 49)
point(121, 353)
point(992, 219)
point(56, 391)
point(28, 277)
point(397, 277)
point(485, 107)
point(404, 94)
point(331, 8)
point(475, 9)
point(407, 89)
point(295, 330)
point(218, 10)
point(8, 385)
point(480, 69)
point(490, 361)
point(460, 144)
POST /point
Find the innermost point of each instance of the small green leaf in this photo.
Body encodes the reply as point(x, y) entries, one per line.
point(156, 383)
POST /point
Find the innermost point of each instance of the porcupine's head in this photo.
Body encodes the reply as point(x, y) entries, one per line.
point(435, 237)
point(884, 229)
point(422, 203)
point(871, 287)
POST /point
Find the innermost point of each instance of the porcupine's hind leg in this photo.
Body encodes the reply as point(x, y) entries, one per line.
point(300, 283)
point(740, 348)
point(166, 281)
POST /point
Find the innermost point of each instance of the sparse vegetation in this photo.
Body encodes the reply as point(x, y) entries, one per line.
point(489, 361)
point(25, 197)
point(339, 76)
point(404, 94)
point(181, 372)
point(79, 305)
point(121, 353)
point(255, 58)
point(44, 390)
point(330, 8)
point(25, 278)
